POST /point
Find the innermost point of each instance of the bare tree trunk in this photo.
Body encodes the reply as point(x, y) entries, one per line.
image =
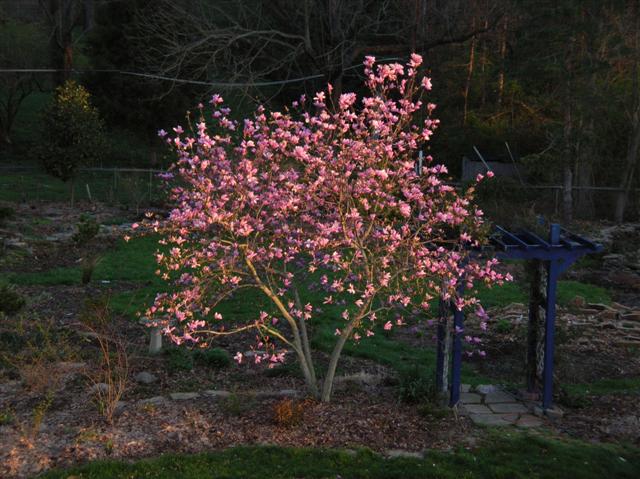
point(503, 54)
point(467, 87)
point(630, 165)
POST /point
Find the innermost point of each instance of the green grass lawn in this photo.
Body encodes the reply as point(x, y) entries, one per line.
point(502, 455)
point(134, 261)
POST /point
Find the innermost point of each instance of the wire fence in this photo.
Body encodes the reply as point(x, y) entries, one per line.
point(132, 187)
point(138, 188)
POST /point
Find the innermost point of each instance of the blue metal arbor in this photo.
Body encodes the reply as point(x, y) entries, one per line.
point(557, 253)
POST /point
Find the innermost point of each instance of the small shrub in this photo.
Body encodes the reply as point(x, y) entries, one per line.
point(238, 404)
point(417, 386)
point(87, 228)
point(113, 358)
point(6, 213)
point(6, 417)
point(10, 300)
point(503, 326)
point(88, 267)
point(213, 358)
point(179, 359)
point(290, 412)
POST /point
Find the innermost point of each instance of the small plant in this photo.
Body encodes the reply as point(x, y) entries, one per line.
point(417, 386)
point(179, 359)
point(87, 228)
point(6, 213)
point(6, 417)
point(10, 300)
point(237, 404)
point(215, 358)
point(112, 373)
point(290, 412)
point(503, 326)
point(30, 432)
point(88, 267)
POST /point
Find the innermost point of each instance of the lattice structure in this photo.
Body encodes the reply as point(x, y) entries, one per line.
point(555, 254)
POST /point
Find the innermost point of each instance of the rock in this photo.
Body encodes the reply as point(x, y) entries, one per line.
point(498, 397)
point(215, 394)
point(634, 316)
point(470, 398)
point(183, 396)
point(474, 409)
point(393, 453)
point(528, 420)
point(145, 378)
point(156, 401)
point(552, 412)
point(465, 388)
point(99, 388)
point(507, 407)
point(488, 420)
point(486, 388)
point(276, 394)
point(625, 426)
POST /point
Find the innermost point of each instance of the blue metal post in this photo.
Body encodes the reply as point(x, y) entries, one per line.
point(456, 353)
point(553, 272)
point(442, 337)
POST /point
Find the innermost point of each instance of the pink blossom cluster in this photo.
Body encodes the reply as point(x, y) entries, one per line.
point(326, 189)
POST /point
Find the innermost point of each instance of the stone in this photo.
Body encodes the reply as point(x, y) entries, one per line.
point(145, 378)
point(215, 394)
point(554, 412)
point(470, 398)
point(465, 388)
point(634, 316)
point(486, 388)
point(276, 394)
point(393, 453)
point(155, 341)
point(528, 421)
point(498, 397)
point(99, 388)
point(507, 407)
point(183, 396)
point(156, 400)
point(474, 409)
point(488, 420)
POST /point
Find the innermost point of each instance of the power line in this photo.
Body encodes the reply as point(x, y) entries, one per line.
point(183, 80)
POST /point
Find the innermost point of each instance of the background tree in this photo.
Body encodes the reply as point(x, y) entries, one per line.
point(20, 48)
point(73, 133)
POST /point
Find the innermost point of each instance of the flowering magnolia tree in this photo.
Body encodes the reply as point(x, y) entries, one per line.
point(323, 191)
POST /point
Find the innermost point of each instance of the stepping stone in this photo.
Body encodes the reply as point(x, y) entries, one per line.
point(212, 393)
point(486, 388)
point(508, 407)
point(528, 420)
point(552, 412)
point(156, 400)
point(498, 397)
point(465, 388)
point(470, 398)
point(183, 396)
point(474, 409)
point(145, 378)
point(488, 420)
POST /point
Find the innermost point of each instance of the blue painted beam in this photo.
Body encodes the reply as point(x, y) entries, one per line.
point(443, 312)
point(553, 272)
point(456, 350)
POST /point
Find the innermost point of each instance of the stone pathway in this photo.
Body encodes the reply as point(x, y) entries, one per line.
point(489, 405)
